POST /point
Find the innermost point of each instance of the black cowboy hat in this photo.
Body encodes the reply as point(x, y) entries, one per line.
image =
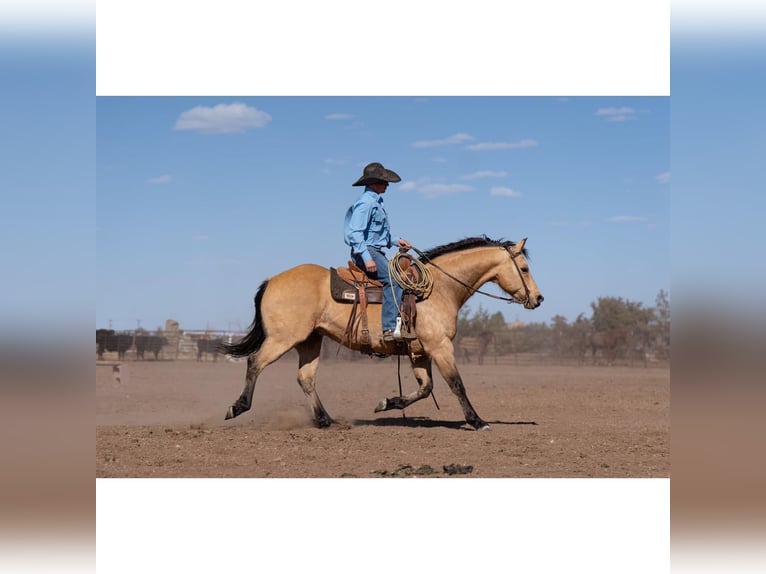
point(375, 172)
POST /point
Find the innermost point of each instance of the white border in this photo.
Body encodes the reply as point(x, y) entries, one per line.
point(336, 47)
point(381, 525)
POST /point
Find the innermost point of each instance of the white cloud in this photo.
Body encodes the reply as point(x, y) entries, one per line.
point(332, 161)
point(502, 145)
point(626, 218)
point(451, 140)
point(663, 177)
point(504, 192)
point(433, 190)
point(339, 117)
point(222, 119)
point(160, 179)
point(485, 173)
point(616, 114)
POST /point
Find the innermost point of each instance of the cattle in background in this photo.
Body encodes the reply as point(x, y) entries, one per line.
point(108, 340)
point(151, 343)
point(212, 346)
point(475, 346)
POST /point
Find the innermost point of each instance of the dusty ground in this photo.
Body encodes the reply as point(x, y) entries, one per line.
point(166, 419)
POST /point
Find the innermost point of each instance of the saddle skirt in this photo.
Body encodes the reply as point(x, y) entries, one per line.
point(344, 281)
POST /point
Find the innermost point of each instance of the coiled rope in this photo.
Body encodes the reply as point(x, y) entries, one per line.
point(421, 286)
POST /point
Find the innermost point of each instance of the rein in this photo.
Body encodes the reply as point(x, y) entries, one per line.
point(474, 289)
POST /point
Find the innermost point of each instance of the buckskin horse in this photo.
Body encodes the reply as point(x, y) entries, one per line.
point(294, 310)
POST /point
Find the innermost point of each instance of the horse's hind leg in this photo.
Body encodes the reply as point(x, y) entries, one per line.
point(269, 352)
point(421, 366)
point(309, 352)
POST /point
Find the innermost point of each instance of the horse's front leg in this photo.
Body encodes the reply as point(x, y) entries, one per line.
point(421, 366)
point(444, 357)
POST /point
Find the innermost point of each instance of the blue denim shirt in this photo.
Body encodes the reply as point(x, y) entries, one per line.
point(366, 224)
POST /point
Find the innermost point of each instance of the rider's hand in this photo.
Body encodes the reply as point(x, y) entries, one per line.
point(370, 266)
point(404, 244)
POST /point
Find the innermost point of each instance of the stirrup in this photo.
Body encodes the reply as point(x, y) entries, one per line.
point(398, 329)
point(403, 334)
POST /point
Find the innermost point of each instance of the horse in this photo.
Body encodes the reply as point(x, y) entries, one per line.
point(470, 346)
point(294, 310)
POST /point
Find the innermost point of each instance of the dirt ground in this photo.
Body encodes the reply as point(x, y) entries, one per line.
point(166, 419)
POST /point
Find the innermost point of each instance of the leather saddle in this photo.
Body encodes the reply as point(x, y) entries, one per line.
point(352, 285)
point(345, 283)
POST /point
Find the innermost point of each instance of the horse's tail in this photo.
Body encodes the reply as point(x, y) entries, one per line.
point(255, 337)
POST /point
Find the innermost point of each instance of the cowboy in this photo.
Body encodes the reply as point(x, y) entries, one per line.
point(367, 232)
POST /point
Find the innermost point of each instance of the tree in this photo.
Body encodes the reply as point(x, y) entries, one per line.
point(661, 326)
point(481, 321)
point(622, 326)
point(579, 331)
point(560, 331)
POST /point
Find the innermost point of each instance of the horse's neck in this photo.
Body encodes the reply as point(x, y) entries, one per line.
point(473, 267)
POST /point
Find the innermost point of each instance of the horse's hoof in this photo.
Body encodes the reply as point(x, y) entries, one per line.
point(484, 427)
point(381, 406)
point(229, 413)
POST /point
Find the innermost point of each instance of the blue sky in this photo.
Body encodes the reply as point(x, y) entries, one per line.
point(201, 198)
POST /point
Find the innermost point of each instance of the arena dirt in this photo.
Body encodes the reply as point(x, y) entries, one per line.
point(166, 419)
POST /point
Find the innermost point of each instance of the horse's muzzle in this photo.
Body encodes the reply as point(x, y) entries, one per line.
point(534, 302)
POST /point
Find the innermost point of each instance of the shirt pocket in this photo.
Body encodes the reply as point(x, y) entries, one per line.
point(378, 222)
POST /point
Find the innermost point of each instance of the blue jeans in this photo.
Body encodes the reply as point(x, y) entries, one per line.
point(390, 311)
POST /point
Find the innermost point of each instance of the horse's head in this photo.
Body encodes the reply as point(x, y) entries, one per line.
point(515, 278)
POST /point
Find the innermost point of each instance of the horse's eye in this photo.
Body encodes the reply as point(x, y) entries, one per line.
point(525, 269)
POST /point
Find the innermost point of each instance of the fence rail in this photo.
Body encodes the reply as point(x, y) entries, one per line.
point(182, 346)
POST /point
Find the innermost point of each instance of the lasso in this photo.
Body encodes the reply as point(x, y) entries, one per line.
point(422, 286)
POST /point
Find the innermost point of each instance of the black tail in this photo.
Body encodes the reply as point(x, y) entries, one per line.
point(251, 342)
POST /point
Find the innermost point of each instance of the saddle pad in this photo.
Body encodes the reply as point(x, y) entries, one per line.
point(342, 292)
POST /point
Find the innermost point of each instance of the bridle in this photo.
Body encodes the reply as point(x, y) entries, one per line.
point(474, 289)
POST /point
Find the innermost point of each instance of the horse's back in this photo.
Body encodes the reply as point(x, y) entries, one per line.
point(309, 273)
point(295, 301)
point(304, 283)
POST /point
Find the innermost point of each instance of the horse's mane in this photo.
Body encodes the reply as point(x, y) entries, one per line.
point(467, 243)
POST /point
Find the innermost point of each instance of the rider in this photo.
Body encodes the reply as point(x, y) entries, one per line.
point(368, 233)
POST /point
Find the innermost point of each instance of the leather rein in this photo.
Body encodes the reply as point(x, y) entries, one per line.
point(474, 289)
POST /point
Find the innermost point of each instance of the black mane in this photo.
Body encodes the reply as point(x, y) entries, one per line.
point(467, 243)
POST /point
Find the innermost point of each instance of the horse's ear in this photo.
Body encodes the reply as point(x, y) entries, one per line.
point(519, 246)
